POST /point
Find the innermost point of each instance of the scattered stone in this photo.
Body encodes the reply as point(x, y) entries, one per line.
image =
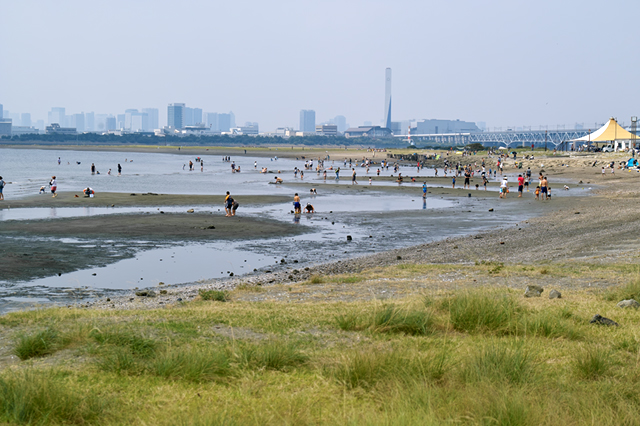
point(94, 274)
point(146, 293)
point(600, 320)
point(59, 274)
point(179, 299)
point(190, 211)
point(160, 283)
point(230, 274)
point(161, 212)
point(113, 205)
point(577, 213)
point(108, 299)
point(490, 210)
point(399, 257)
point(501, 242)
point(555, 294)
point(631, 303)
point(533, 291)
point(163, 291)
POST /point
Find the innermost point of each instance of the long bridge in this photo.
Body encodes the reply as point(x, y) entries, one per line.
point(510, 138)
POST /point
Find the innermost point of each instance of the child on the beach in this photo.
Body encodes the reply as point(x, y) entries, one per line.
point(537, 192)
point(454, 181)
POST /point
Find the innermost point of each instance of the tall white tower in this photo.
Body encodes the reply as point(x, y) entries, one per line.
point(387, 99)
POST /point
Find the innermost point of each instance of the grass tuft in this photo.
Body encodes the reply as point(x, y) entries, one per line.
point(37, 344)
point(214, 295)
point(281, 355)
point(389, 319)
point(37, 397)
point(316, 279)
point(138, 345)
point(471, 311)
point(499, 364)
point(194, 365)
point(592, 363)
point(627, 291)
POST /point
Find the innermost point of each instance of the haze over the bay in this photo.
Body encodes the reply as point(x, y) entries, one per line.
point(506, 63)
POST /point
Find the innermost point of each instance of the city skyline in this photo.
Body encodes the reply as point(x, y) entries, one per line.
point(491, 62)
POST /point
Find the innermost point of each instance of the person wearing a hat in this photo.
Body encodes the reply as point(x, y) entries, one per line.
point(504, 188)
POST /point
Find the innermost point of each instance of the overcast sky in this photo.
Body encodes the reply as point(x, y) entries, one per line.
point(507, 63)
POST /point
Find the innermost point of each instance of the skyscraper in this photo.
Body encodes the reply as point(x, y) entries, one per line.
point(153, 118)
point(25, 119)
point(197, 116)
point(387, 99)
point(225, 122)
point(89, 122)
point(57, 115)
point(307, 120)
point(175, 115)
point(1, 112)
point(110, 123)
point(341, 122)
point(79, 122)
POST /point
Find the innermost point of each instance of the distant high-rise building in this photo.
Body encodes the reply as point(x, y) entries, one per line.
point(128, 114)
point(152, 113)
point(40, 125)
point(341, 122)
point(387, 99)
point(79, 122)
point(57, 115)
point(307, 120)
point(187, 117)
point(224, 122)
point(110, 123)
point(232, 119)
point(175, 115)
point(212, 121)
point(1, 112)
point(89, 122)
point(197, 116)
point(25, 119)
point(120, 121)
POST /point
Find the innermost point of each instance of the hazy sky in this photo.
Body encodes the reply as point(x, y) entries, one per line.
point(508, 63)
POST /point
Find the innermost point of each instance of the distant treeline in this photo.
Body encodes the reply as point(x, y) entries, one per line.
point(222, 140)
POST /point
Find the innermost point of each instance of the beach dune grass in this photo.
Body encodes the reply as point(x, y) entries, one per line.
point(38, 344)
point(272, 355)
point(191, 364)
point(45, 397)
point(472, 311)
point(389, 319)
point(214, 295)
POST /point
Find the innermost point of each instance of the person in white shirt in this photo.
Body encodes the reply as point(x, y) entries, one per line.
point(504, 188)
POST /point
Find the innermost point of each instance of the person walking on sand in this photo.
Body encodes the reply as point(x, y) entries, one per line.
point(119, 170)
point(453, 182)
point(504, 188)
point(54, 186)
point(93, 169)
point(602, 171)
point(520, 185)
point(353, 177)
point(544, 183)
point(2, 184)
point(424, 190)
point(228, 203)
point(297, 207)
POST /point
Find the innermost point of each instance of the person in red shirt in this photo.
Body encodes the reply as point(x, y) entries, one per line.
point(520, 185)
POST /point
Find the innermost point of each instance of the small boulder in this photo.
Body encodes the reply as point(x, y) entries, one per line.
point(146, 293)
point(631, 303)
point(349, 238)
point(163, 292)
point(555, 294)
point(533, 291)
point(599, 319)
point(190, 211)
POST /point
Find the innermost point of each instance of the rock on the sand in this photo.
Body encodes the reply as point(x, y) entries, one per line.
point(628, 304)
point(555, 294)
point(190, 211)
point(533, 291)
point(599, 319)
point(146, 293)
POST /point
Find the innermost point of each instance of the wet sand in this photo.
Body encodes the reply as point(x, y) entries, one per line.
point(33, 249)
point(116, 199)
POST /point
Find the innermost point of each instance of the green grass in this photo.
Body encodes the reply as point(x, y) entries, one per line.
point(36, 344)
point(277, 355)
point(592, 363)
point(214, 295)
point(500, 363)
point(191, 364)
point(44, 397)
point(476, 311)
point(389, 319)
point(627, 291)
point(477, 357)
